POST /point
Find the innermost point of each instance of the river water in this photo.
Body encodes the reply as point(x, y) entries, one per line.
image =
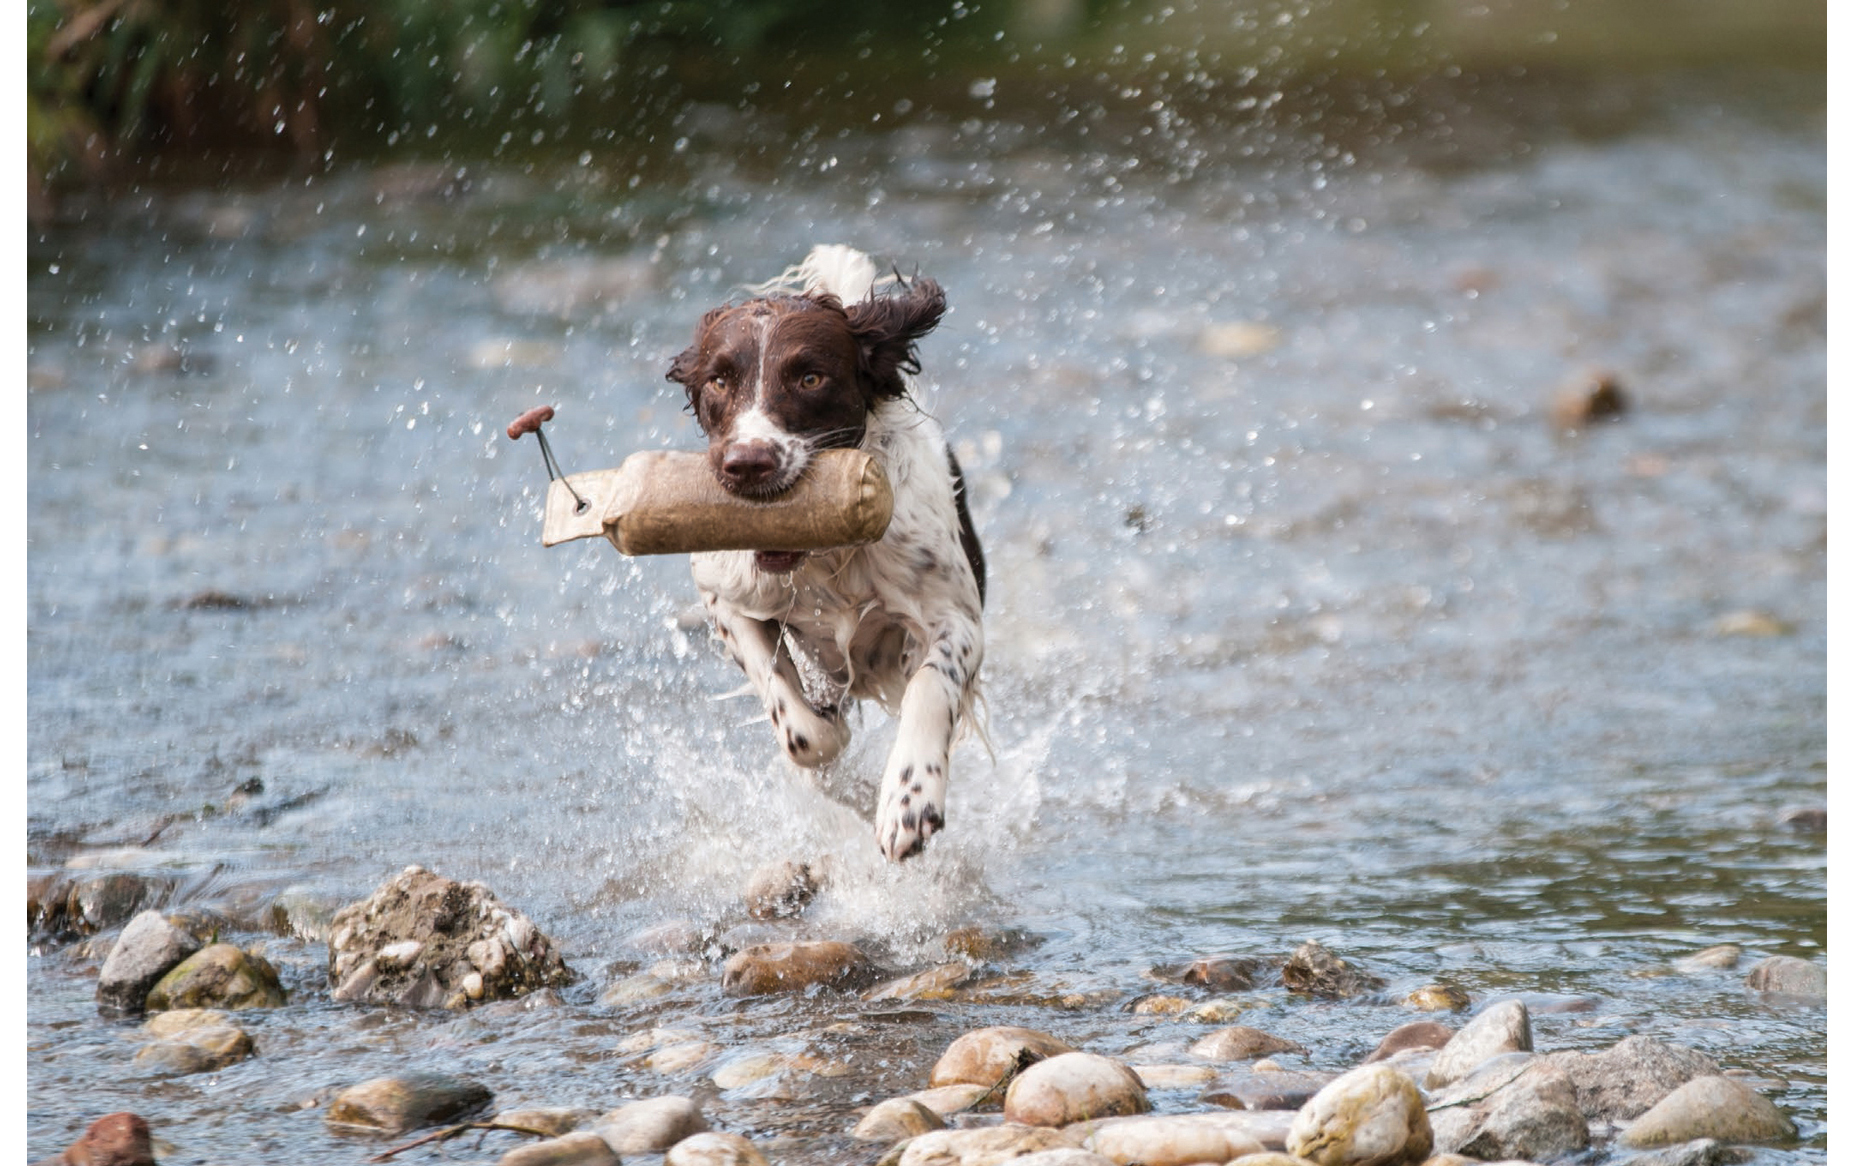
point(1305, 621)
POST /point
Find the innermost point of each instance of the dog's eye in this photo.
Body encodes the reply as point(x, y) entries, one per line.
point(717, 384)
point(810, 380)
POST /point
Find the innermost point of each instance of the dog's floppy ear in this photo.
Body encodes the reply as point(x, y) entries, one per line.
point(685, 369)
point(886, 328)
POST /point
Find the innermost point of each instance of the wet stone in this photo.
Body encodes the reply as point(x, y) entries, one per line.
point(62, 905)
point(1216, 1012)
point(1532, 1114)
point(1072, 1087)
point(1066, 1156)
point(1437, 998)
point(780, 890)
point(219, 976)
point(1226, 973)
point(977, 1147)
point(1805, 819)
point(1371, 1116)
point(1623, 1081)
point(1783, 975)
point(1172, 1140)
point(1241, 1043)
point(1418, 1034)
point(714, 1149)
point(895, 1119)
point(116, 1139)
point(933, 984)
point(1314, 971)
point(1175, 1076)
point(551, 1120)
point(634, 990)
point(148, 948)
point(425, 941)
point(577, 1149)
point(1698, 1152)
point(676, 937)
point(1281, 1090)
point(982, 945)
point(393, 1105)
point(792, 967)
point(947, 1100)
point(1271, 1158)
point(1590, 397)
point(984, 1056)
point(1504, 1027)
point(1710, 1107)
point(682, 1057)
point(193, 1040)
point(1721, 957)
point(651, 1126)
point(1159, 1004)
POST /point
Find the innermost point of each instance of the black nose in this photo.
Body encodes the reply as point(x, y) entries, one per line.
point(748, 465)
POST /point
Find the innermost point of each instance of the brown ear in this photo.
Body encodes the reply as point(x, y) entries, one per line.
point(685, 368)
point(886, 329)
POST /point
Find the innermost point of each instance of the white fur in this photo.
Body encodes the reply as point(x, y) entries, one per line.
point(897, 621)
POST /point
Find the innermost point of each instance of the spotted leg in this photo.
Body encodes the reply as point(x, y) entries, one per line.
point(913, 793)
point(811, 737)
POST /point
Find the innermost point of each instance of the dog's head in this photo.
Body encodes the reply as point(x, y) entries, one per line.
point(773, 380)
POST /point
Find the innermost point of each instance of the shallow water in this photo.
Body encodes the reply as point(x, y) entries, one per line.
point(1332, 638)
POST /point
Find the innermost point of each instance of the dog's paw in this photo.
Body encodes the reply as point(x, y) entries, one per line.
point(908, 816)
point(811, 737)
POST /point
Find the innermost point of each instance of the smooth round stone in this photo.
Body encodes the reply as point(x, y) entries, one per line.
point(1175, 1076)
point(1171, 1140)
point(746, 1070)
point(1217, 1011)
point(986, 1146)
point(652, 1126)
point(780, 889)
point(197, 1049)
point(933, 984)
point(1160, 1005)
point(1073, 1087)
point(947, 1100)
point(148, 948)
point(680, 1058)
point(1371, 1116)
point(552, 1120)
point(984, 1056)
point(221, 975)
point(1785, 975)
point(1624, 1081)
point(1065, 1156)
point(792, 967)
point(714, 1149)
point(677, 937)
point(1437, 998)
point(635, 989)
point(1720, 957)
point(1504, 1027)
point(1418, 1034)
point(579, 1149)
point(1710, 1107)
point(895, 1119)
point(116, 1139)
point(1270, 1091)
point(163, 1025)
point(655, 1038)
point(1239, 1042)
point(393, 1105)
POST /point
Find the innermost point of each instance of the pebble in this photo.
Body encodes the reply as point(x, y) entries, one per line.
point(1437, 998)
point(1175, 1076)
point(148, 948)
point(1504, 1027)
point(116, 1139)
point(651, 1126)
point(424, 941)
point(1784, 975)
point(987, 1146)
point(745, 1070)
point(1241, 1043)
point(634, 989)
point(1314, 971)
point(393, 1105)
point(984, 1056)
point(552, 1120)
point(1532, 1114)
point(895, 1119)
point(1805, 819)
point(982, 945)
point(1072, 1087)
point(1159, 1004)
point(1621, 1082)
point(680, 1058)
point(221, 975)
point(1217, 1011)
point(1718, 958)
point(792, 967)
point(1280, 1090)
point(933, 984)
point(1225, 973)
point(1418, 1034)
point(579, 1149)
point(1371, 1116)
point(1172, 1140)
point(947, 1100)
point(714, 1149)
point(193, 1040)
point(1699, 1152)
point(1710, 1107)
point(780, 890)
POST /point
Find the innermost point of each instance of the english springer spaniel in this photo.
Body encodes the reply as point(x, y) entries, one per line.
point(820, 360)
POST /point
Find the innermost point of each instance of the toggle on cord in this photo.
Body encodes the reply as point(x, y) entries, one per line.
point(664, 502)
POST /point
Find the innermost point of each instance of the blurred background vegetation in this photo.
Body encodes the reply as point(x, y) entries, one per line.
point(115, 84)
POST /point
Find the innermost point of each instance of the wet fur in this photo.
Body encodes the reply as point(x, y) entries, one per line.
point(819, 360)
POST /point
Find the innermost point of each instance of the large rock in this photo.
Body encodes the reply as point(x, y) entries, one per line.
point(393, 1105)
point(714, 1149)
point(1699, 1152)
point(1318, 972)
point(576, 1149)
point(1500, 1028)
point(148, 948)
point(984, 1056)
point(193, 1040)
point(1623, 1081)
point(1530, 1114)
point(1785, 975)
point(425, 941)
point(652, 1126)
point(1072, 1087)
point(896, 1119)
point(1710, 1107)
point(1418, 1034)
point(117, 1139)
point(1372, 1116)
point(1172, 1140)
point(792, 967)
point(1239, 1042)
point(219, 976)
point(65, 905)
point(986, 1146)
point(780, 889)
point(947, 1100)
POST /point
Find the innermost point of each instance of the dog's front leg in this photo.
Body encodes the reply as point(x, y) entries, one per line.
point(810, 737)
point(913, 794)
